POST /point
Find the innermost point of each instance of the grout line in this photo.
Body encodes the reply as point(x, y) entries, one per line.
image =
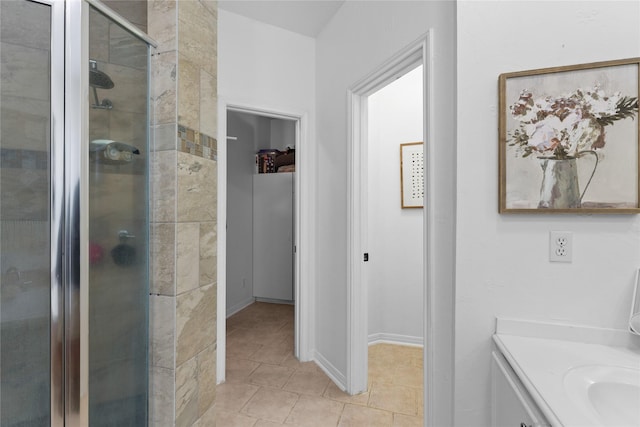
point(247, 402)
point(369, 392)
point(291, 410)
point(344, 405)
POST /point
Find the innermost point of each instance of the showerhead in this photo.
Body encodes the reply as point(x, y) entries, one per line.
point(99, 79)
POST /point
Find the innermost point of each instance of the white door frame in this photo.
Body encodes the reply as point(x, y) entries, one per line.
point(418, 52)
point(303, 283)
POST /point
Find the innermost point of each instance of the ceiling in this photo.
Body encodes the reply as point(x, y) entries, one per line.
point(306, 17)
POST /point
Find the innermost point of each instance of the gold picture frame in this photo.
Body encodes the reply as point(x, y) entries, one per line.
point(568, 139)
point(412, 175)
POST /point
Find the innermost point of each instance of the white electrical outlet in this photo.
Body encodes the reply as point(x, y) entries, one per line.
point(560, 246)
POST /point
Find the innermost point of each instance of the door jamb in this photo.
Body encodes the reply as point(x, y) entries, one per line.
point(420, 51)
point(302, 229)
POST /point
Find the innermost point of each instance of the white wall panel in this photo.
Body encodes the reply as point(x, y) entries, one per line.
point(502, 260)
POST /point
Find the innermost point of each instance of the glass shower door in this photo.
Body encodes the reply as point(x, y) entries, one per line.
point(118, 224)
point(25, 197)
point(74, 216)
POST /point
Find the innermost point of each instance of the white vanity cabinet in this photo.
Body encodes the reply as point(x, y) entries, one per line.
point(511, 404)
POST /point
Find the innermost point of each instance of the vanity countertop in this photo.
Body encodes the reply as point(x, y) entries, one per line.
point(542, 365)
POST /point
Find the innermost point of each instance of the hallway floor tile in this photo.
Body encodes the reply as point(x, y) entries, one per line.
point(267, 386)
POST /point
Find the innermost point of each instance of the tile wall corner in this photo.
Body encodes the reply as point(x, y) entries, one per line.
point(183, 300)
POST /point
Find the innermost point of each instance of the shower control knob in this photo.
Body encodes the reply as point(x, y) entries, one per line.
point(112, 153)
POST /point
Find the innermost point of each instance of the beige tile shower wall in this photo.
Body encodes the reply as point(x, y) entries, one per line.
point(163, 393)
point(196, 213)
point(134, 10)
point(184, 203)
point(24, 113)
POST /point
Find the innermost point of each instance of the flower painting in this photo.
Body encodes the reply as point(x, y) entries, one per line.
point(569, 139)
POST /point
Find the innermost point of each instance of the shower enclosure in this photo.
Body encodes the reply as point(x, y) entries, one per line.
point(74, 217)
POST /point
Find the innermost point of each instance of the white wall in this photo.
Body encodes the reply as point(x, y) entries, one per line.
point(360, 37)
point(240, 170)
point(263, 132)
point(283, 134)
point(260, 65)
point(502, 260)
point(395, 271)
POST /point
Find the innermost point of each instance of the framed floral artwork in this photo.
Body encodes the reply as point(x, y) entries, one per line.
point(569, 139)
point(411, 175)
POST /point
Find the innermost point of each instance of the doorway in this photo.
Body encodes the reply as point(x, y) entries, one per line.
point(360, 269)
point(259, 217)
point(260, 175)
point(394, 213)
point(395, 269)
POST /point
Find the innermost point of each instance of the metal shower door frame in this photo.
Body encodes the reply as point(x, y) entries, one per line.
point(69, 206)
point(76, 212)
point(57, 211)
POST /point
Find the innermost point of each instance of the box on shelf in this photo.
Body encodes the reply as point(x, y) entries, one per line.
point(271, 160)
point(266, 161)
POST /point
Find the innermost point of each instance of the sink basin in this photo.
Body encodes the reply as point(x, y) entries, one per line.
point(610, 394)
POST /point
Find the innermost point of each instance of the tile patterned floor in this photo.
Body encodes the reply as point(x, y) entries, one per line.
point(267, 386)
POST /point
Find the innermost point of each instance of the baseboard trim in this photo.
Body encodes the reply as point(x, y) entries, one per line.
point(275, 301)
point(242, 304)
point(332, 372)
point(396, 339)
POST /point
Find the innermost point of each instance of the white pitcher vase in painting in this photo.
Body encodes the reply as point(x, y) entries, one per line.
point(559, 189)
